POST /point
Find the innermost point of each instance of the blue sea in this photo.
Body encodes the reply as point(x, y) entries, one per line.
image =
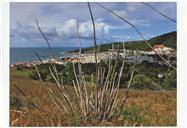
point(27, 54)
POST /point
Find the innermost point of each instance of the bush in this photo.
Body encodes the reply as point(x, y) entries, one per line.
point(20, 67)
point(152, 70)
point(170, 80)
point(141, 82)
point(45, 72)
point(34, 75)
point(68, 74)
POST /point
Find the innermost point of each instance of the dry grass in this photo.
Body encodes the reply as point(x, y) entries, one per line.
point(80, 105)
point(156, 108)
point(99, 105)
point(35, 103)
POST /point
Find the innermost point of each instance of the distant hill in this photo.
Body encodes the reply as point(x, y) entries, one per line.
point(168, 39)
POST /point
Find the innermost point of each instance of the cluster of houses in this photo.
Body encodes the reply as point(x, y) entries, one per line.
point(161, 50)
point(149, 56)
point(131, 56)
point(88, 58)
point(27, 64)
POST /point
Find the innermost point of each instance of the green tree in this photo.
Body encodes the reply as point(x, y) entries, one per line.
point(34, 75)
point(68, 74)
point(20, 67)
point(141, 82)
point(170, 80)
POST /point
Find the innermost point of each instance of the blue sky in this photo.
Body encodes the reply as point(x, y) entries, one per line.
point(58, 22)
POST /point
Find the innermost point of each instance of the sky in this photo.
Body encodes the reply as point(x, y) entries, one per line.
point(58, 21)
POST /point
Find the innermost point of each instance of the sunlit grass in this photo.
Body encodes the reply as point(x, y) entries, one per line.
point(144, 107)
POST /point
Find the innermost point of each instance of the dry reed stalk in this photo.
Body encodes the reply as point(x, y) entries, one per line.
point(14, 122)
point(79, 91)
point(138, 32)
point(46, 40)
point(159, 12)
point(30, 100)
point(95, 53)
point(100, 105)
point(65, 95)
point(126, 93)
point(154, 83)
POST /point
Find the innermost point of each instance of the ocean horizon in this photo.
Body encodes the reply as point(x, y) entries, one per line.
point(26, 54)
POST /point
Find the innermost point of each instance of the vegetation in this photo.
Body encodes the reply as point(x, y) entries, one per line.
point(21, 73)
point(170, 80)
point(168, 39)
point(140, 81)
point(144, 107)
point(104, 104)
point(36, 103)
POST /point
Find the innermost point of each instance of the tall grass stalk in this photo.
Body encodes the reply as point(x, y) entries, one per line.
point(138, 32)
point(99, 105)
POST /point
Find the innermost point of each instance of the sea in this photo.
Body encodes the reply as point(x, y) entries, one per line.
point(27, 54)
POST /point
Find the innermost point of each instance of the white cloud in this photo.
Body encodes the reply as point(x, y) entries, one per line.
point(69, 29)
point(58, 20)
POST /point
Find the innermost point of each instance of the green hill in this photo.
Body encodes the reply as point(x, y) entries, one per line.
point(168, 39)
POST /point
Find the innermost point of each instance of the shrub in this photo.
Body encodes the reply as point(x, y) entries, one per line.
point(170, 80)
point(68, 74)
point(20, 67)
point(131, 114)
point(34, 75)
point(140, 82)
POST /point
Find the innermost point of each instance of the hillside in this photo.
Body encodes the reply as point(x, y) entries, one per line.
point(168, 39)
point(144, 107)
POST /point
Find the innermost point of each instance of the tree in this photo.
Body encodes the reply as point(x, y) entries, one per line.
point(141, 82)
point(68, 74)
point(34, 75)
point(20, 67)
point(170, 80)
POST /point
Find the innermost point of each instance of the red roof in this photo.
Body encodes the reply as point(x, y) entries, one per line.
point(158, 46)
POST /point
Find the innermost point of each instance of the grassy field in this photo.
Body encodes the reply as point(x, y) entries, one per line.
point(22, 73)
point(143, 107)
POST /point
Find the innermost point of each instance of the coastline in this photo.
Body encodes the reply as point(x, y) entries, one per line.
point(130, 56)
point(27, 54)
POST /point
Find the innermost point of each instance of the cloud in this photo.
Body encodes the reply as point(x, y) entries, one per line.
point(102, 28)
point(68, 30)
point(59, 20)
point(30, 33)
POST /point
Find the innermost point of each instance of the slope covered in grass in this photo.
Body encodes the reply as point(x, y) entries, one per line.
point(144, 107)
point(168, 39)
